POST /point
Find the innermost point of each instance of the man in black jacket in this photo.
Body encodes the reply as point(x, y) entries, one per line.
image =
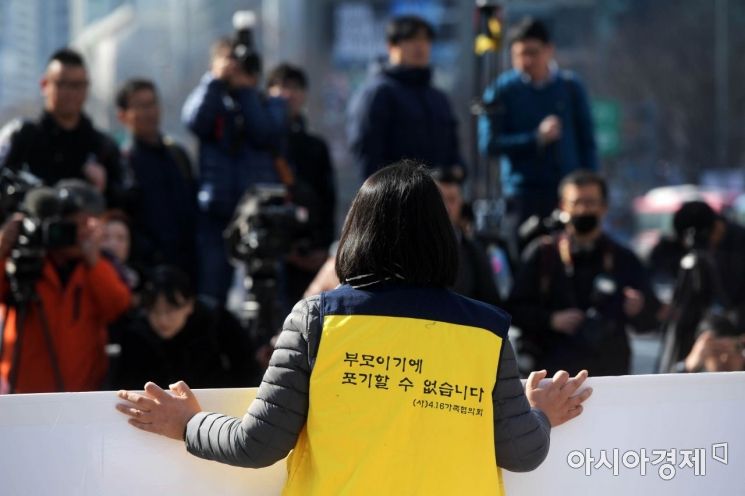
point(475, 277)
point(63, 143)
point(163, 198)
point(578, 290)
point(314, 185)
point(398, 113)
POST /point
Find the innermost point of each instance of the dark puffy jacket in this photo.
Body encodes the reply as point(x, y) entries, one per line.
point(240, 133)
point(162, 204)
point(399, 114)
point(53, 153)
point(211, 350)
point(271, 426)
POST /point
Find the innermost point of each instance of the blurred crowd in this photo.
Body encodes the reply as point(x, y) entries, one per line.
point(116, 262)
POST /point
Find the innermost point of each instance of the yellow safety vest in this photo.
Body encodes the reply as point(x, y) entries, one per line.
point(401, 396)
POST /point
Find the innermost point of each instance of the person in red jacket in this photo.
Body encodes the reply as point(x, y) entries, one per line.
point(60, 344)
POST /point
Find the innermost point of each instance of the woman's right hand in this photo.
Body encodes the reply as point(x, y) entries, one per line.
point(158, 411)
point(556, 399)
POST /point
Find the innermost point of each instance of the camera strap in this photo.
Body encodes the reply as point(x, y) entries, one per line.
point(562, 245)
point(284, 171)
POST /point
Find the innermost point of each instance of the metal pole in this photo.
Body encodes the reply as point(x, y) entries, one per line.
point(721, 36)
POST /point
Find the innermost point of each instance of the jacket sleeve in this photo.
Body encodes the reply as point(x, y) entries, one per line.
point(4, 288)
point(368, 121)
point(11, 154)
point(521, 433)
point(525, 300)
point(203, 106)
point(485, 287)
point(270, 427)
point(110, 157)
point(109, 293)
point(638, 278)
point(585, 129)
point(266, 121)
point(494, 139)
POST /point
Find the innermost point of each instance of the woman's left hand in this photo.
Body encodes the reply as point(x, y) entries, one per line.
point(159, 411)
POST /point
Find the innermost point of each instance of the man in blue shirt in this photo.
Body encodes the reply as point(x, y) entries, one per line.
point(538, 122)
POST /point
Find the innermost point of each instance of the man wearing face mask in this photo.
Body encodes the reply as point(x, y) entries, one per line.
point(579, 289)
point(54, 339)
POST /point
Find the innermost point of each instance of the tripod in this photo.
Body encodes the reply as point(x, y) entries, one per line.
point(260, 308)
point(697, 287)
point(23, 298)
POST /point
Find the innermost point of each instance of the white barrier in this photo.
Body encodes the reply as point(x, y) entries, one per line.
point(77, 444)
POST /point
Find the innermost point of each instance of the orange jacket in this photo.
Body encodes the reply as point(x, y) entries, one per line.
point(78, 314)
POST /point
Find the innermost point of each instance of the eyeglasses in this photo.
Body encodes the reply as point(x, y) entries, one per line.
point(71, 85)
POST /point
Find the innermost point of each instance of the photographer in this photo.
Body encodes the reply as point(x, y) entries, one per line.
point(705, 258)
point(475, 277)
point(314, 186)
point(579, 289)
point(241, 135)
point(718, 347)
point(55, 329)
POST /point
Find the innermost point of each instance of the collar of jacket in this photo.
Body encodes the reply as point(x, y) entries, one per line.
point(47, 121)
point(553, 74)
point(368, 280)
point(414, 76)
point(138, 143)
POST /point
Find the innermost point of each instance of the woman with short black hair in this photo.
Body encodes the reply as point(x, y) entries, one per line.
point(398, 228)
point(389, 384)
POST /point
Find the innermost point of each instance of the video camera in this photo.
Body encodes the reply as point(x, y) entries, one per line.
point(599, 323)
point(13, 188)
point(243, 49)
point(42, 228)
point(265, 227)
point(535, 226)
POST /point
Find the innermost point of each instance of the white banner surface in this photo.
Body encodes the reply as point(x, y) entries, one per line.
point(662, 435)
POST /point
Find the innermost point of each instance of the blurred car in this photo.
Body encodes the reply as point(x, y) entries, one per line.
point(653, 212)
point(737, 213)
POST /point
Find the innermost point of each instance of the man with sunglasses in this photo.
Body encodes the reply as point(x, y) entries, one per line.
point(63, 143)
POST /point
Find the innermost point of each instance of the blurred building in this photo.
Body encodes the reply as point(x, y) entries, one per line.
point(30, 30)
point(664, 76)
